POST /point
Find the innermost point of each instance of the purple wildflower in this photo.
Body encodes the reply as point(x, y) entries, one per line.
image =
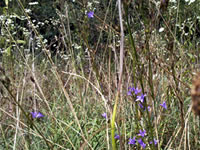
point(117, 136)
point(90, 14)
point(132, 89)
point(141, 98)
point(37, 114)
point(141, 106)
point(137, 91)
point(129, 88)
point(155, 142)
point(104, 115)
point(141, 143)
point(149, 108)
point(164, 105)
point(132, 141)
point(142, 133)
point(129, 93)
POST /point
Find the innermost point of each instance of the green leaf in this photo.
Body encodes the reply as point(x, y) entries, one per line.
point(8, 51)
point(190, 55)
point(21, 42)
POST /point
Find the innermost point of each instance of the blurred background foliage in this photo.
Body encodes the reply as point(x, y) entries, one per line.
point(165, 34)
point(49, 17)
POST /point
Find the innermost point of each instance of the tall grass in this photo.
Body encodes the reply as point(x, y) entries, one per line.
point(74, 88)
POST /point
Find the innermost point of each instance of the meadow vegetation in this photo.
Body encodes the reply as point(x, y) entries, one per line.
point(95, 74)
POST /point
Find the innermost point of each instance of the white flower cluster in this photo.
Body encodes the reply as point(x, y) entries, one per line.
point(190, 1)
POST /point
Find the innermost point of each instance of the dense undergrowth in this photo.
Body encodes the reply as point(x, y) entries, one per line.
point(63, 77)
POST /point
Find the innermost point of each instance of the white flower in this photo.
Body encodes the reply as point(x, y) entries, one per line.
point(33, 3)
point(161, 29)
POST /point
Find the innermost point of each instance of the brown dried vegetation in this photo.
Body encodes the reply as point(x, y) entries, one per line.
point(195, 93)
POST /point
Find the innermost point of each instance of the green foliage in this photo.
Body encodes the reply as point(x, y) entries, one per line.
point(57, 60)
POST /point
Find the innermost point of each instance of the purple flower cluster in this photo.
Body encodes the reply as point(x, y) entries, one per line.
point(132, 141)
point(132, 89)
point(142, 133)
point(140, 98)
